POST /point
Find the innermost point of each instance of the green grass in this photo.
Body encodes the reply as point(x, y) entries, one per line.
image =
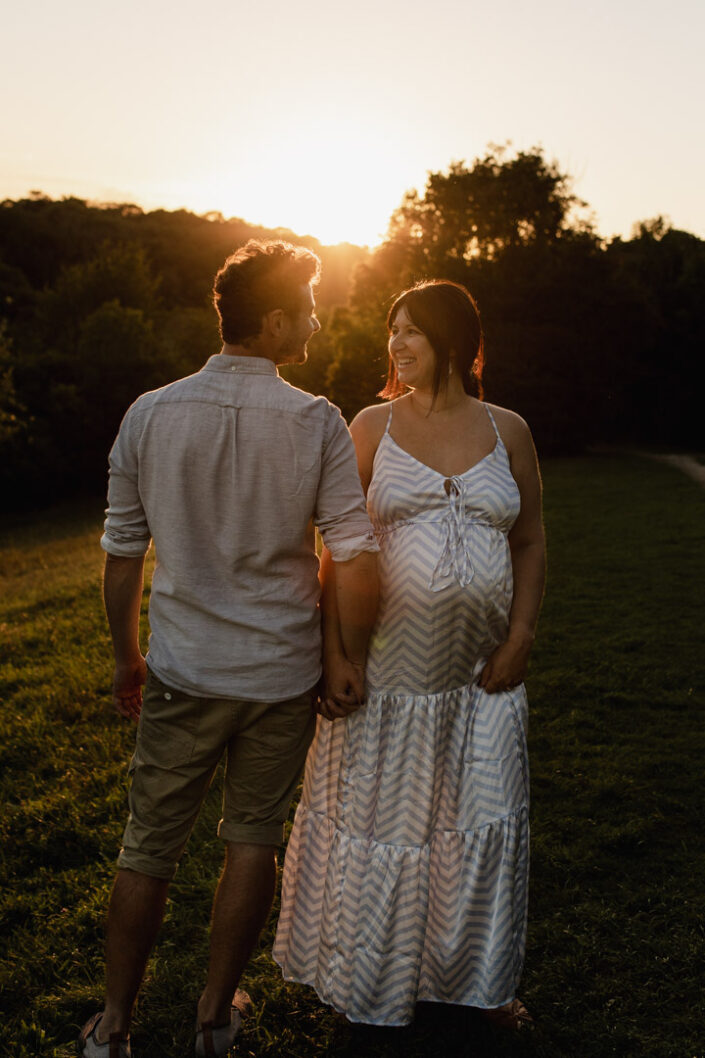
point(615, 950)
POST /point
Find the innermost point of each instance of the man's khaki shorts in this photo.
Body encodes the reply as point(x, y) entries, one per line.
point(180, 740)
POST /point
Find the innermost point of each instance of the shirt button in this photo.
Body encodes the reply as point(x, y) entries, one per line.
point(233, 369)
point(167, 695)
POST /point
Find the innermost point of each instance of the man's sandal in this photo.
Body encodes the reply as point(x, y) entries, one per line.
point(513, 1016)
point(215, 1041)
point(88, 1047)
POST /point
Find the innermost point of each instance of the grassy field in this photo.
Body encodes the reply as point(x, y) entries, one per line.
point(615, 954)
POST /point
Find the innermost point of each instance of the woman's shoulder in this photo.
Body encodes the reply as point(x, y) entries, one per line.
point(508, 421)
point(370, 423)
point(513, 430)
point(367, 429)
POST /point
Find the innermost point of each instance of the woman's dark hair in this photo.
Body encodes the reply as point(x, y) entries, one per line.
point(257, 278)
point(447, 314)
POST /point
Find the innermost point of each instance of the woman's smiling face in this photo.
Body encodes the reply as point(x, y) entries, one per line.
point(411, 351)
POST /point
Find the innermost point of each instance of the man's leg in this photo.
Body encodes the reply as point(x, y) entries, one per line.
point(242, 902)
point(135, 914)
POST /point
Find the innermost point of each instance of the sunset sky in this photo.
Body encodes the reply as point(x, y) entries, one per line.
point(317, 116)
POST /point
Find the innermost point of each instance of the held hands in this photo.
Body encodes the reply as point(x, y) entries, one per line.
point(127, 688)
point(344, 687)
point(506, 666)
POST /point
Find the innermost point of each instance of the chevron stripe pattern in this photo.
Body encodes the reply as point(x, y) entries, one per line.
point(406, 874)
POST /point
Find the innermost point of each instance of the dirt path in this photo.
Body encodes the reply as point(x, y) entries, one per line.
point(687, 464)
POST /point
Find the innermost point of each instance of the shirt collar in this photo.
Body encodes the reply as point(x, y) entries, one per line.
point(244, 365)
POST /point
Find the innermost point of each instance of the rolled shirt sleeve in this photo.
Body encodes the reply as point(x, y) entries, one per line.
point(341, 513)
point(126, 532)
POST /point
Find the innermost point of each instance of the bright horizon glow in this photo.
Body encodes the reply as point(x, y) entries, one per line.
point(332, 194)
point(301, 116)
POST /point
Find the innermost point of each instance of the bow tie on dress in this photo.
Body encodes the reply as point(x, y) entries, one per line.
point(454, 559)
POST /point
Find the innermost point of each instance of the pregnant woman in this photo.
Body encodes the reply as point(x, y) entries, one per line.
point(406, 875)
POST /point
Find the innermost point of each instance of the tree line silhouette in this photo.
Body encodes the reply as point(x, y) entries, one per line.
point(592, 340)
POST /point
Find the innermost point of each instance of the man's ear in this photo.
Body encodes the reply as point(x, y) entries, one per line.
point(274, 322)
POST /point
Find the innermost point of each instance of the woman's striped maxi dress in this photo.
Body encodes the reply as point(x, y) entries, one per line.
point(406, 871)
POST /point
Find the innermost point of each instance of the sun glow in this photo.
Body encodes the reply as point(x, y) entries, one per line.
point(324, 186)
point(301, 117)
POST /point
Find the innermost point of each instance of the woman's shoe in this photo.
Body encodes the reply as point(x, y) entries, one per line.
point(512, 1016)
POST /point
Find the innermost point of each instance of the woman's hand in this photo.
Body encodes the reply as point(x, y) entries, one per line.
point(506, 666)
point(344, 687)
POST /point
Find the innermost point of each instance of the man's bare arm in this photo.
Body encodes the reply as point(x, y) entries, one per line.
point(357, 599)
point(348, 617)
point(123, 581)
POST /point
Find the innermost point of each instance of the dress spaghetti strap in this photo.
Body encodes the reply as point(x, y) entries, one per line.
point(493, 422)
point(389, 419)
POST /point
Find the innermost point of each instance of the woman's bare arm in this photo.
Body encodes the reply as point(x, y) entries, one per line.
point(507, 665)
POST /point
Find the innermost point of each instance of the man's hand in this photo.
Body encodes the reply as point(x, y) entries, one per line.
point(127, 688)
point(344, 684)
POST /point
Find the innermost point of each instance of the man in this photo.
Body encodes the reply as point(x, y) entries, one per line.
point(227, 471)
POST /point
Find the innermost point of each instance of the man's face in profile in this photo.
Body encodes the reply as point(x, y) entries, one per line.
point(302, 326)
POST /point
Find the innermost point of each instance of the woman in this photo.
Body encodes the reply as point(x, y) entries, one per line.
point(406, 873)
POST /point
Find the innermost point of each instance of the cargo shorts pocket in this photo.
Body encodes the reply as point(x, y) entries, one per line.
point(168, 726)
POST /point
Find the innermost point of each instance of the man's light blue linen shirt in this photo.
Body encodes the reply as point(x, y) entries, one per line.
point(228, 471)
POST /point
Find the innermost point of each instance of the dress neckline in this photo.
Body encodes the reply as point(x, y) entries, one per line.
point(446, 477)
point(438, 473)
